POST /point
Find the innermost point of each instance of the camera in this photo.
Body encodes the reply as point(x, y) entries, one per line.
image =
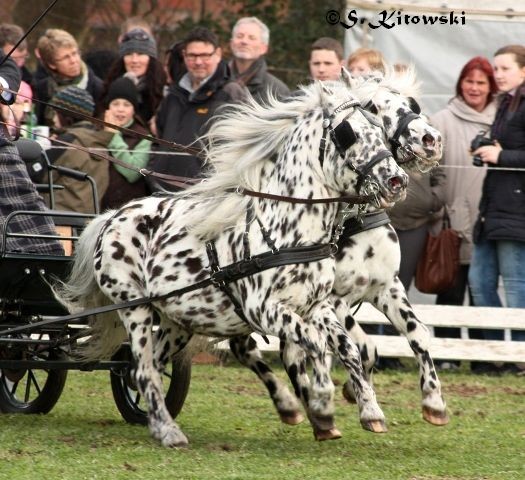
point(479, 141)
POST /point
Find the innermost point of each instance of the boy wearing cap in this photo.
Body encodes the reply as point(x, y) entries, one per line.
point(73, 103)
point(125, 184)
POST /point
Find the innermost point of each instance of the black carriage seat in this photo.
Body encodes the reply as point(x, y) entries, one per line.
point(38, 164)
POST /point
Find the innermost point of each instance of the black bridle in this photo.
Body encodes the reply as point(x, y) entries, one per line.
point(343, 137)
point(402, 153)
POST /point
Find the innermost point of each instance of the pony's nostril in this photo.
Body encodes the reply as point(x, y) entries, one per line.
point(429, 140)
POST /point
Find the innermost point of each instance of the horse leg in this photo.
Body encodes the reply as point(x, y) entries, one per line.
point(370, 414)
point(301, 337)
point(367, 348)
point(169, 340)
point(393, 302)
point(138, 322)
point(245, 350)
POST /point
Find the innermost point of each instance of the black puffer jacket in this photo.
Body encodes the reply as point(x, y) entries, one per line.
point(502, 206)
point(182, 117)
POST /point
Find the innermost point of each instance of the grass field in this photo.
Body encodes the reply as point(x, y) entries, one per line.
point(235, 434)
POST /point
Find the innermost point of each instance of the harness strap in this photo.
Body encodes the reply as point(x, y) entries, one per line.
point(354, 199)
point(378, 157)
point(230, 273)
point(213, 257)
point(356, 225)
point(403, 124)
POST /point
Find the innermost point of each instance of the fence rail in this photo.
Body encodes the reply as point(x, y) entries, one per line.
point(464, 318)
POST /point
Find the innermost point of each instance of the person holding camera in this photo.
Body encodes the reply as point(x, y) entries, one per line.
point(499, 233)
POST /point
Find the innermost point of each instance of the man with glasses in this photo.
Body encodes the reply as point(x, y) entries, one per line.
point(60, 56)
point(249, 44)
point(184, 113)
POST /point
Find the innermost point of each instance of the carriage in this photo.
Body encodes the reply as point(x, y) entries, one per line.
point(35, 360)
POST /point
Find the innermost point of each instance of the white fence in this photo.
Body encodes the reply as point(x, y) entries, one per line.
point(463, 348)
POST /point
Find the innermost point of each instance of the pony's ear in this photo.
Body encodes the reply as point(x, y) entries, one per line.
point(347, 78)
point(326, 90)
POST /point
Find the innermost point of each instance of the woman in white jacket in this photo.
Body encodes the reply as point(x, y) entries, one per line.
point(467, 114)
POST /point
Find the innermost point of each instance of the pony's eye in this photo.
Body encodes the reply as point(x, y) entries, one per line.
point(414, 106)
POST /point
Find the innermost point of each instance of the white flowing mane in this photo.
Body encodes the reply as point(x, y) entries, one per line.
point(405, 83)
point(241, 140)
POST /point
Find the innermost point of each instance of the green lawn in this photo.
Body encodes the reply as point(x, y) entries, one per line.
point(235, 434)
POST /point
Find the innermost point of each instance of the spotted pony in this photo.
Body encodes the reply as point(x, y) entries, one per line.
point(368, 257)
point(319, 145)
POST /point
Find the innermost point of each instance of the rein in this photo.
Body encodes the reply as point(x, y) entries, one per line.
point(159, 141)
point(231, 273)
point(181, 182)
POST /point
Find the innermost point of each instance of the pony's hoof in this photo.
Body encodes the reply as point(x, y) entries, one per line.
point(348, 394)
point(322, 435)
point(375, 426)
point(291, 418)
point(175, 440)
point(435, 417)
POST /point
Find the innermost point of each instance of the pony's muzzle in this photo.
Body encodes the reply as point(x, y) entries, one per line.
point(397, 184)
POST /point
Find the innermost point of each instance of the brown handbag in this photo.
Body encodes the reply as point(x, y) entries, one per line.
point(439, 263)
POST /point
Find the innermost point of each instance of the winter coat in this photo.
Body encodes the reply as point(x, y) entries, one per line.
point(459, 124)
point(124, 184)
point(17, 192)
point(183, 116)
point(425, 198)
point(10, 74)
point(502, 206)
point(77, 195)
point(259, 81)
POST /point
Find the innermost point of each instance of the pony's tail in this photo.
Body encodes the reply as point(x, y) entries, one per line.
point(80, 291)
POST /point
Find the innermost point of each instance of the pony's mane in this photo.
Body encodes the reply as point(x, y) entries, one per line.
point(404, 82)
point(240, 141)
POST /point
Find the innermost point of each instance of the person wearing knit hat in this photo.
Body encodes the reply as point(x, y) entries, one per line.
point(125, 184)
point(138, 60)
point(75, 100)
point(138, 41)
point(125, 88)
point(72, 127)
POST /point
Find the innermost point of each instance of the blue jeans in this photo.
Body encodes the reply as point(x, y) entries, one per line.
point(491, 259)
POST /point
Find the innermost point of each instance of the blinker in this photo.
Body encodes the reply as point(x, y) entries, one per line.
point(414, 106)
point(343, 136)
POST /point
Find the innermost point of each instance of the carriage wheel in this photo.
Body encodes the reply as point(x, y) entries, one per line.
point(176, 380)
point(31, 390)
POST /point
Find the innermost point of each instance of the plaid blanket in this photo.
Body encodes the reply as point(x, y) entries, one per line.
point(17, 192)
